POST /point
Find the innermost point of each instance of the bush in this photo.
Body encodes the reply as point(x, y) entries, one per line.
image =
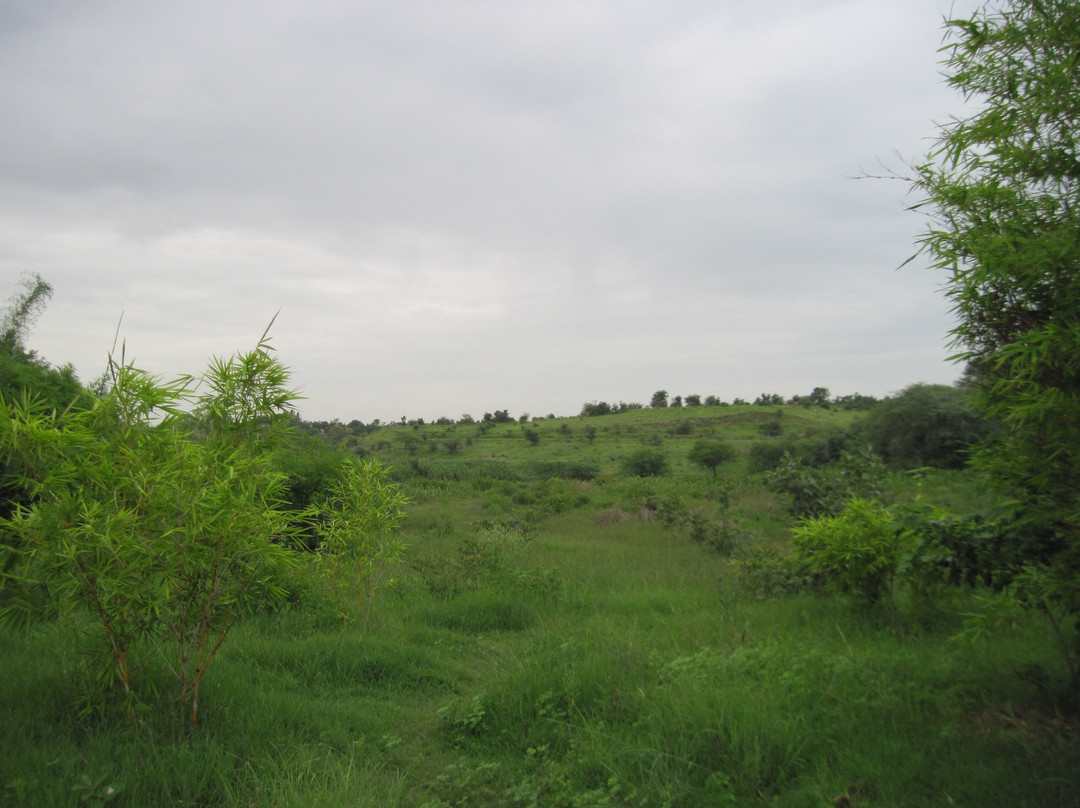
point(765, 573)
point(925, 425)
point(858, 550)
point(826, 490)
point(149, 516)
point(645, 463)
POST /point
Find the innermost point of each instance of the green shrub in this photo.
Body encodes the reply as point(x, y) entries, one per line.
point(161, 526)
point(858, 550)
point(825, 490)
point(925, 425)
point(357, 522)
point(765, 573)
point(645, 462)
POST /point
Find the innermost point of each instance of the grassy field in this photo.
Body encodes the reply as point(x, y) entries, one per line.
point(558, 641)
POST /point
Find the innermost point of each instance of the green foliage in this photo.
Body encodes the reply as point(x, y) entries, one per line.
point(925, 425)
point(859, 550)
point(356, 524)
point(659, 399)
point(1003, 189)
point(592, 408)
point(977, 550)
point(310, 465)
point(826, 490)
point(855, 401)
point(164, 537)
point(57, 388)
point(645, 462)
point(767, 573)
point(711, 454)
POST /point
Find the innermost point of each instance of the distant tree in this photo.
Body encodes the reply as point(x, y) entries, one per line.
point(712, 401)
point(739, 402)
point(466, 419)
point(596, 408)
point(768, 399)
point(711, 454)
point(645, 462)
point(677, 401)
point(855, 401)
point(20, 314)
point(21, 369)
point(453, 445)
point(925, 425)
point(590, 433)
point(693, 400)
point(659, 399)
point(819, 397)
point(532, 436)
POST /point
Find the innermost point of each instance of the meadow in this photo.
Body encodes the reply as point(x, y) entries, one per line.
point(560, 632)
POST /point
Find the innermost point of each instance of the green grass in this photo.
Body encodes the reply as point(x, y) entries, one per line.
point(566, 643)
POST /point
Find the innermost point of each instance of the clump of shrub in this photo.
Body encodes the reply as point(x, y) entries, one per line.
point(826, 490)
point(645, 462)
point(766, 573)
point(859, 550)
point(722, 535)
point(767, 455)
point(925, 425)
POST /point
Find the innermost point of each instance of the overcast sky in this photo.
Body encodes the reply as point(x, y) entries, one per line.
point(467, 205)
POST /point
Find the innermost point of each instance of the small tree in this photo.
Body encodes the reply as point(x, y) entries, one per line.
point(358, 549)
point(659, 399)
point(21, 312)
point(925, 425)
point(645, 462)
point(711, 454)
point(162, 526)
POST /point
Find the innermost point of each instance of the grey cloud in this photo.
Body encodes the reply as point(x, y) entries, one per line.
point(549, 202)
